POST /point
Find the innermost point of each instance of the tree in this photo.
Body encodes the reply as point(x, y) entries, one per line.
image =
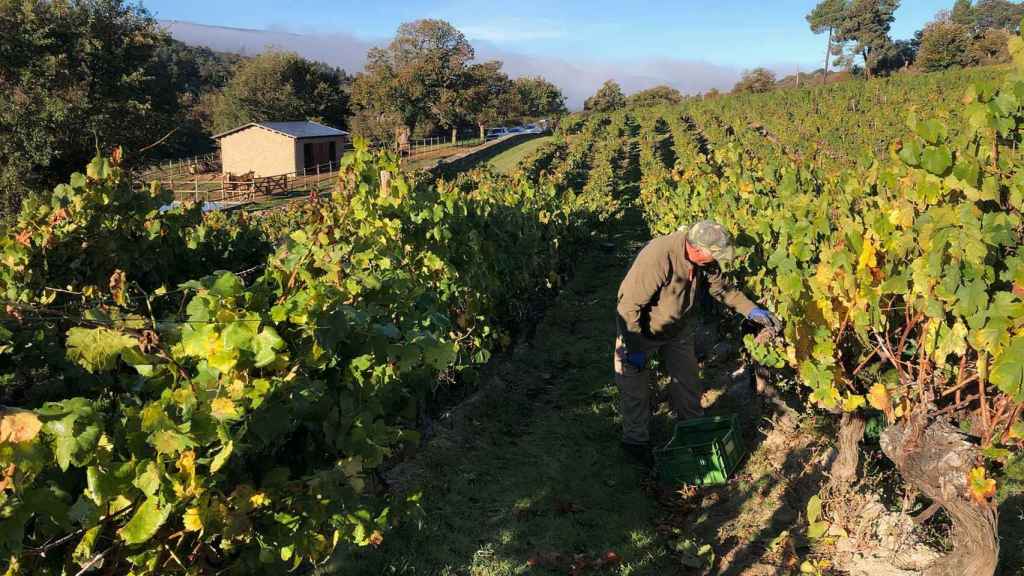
point(827, 16)
point(998, 14)
point(282, 86)
point(487, 94)
point(198, 75)
point(865, 25)
point(415, 77)
point(963, 14)
point(74, 74)
point(756, 80)
point(991, 47)
point(609, 97)
point(898, 55)
point(536, 98)
point(944, 44)
point(655, 96)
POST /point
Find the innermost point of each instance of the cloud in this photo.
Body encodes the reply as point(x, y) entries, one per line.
point(578, 79)
point(339, 49)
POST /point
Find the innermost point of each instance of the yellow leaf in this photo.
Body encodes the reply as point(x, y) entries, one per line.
point(259, 499)
point(981, 487)
point(236, 390)
point(187, 463)
point(187, 471)
point(18, 426)
point(193, 520)
point(223, 409)
point(852, 402)
point(879, 398)
point(868, 256)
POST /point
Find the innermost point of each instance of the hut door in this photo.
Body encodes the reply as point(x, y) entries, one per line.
point(308, 159)
point(317, 153)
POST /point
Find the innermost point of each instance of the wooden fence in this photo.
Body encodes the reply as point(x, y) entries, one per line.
point(248, 187)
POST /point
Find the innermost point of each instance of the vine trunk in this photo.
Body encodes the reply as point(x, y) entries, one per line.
point(936, 458)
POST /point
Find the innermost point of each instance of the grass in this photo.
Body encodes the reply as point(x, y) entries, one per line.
point(507, 160)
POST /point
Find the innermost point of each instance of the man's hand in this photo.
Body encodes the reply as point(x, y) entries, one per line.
point(766, 319)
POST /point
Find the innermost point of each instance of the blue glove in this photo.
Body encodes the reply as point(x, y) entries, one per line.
point(765, 318)
point(636, 359)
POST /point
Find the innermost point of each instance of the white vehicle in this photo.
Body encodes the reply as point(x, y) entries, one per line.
point(497, 132)
point(532, 129)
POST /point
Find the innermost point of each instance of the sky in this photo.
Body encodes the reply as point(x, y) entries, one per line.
point(693, 45)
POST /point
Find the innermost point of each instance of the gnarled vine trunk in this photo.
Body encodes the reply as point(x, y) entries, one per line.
point(936, 458)
point(851, 432)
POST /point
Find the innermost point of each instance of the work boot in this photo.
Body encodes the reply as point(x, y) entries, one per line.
point(640, 454)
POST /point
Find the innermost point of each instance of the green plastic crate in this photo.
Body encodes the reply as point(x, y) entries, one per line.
point(702, 452)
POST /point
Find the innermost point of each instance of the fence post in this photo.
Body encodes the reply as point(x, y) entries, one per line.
point(197, 187)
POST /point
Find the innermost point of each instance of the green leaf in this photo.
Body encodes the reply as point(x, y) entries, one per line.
point(145, 522)
point(227, 285)
point(931, 131)
point(951, 341)
point(148, 479)
point(222, 457)
point(968, 170)
point(910, 153)
point(1008, 369)
point(813, 509)
point(816, 530)
point(440, 355)
point(170, 442)
point(936, 160)
point(84, 549)
point(107, 482)
point(266, 345)
point(198, 309)
point(97, 349)
point(73, 444)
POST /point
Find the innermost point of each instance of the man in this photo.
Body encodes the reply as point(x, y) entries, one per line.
point(655, 302)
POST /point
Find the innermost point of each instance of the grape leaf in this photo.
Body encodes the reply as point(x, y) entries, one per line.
point(878, 397)
point(910, 153)
point(266, 345)
point(980, 486)
point(1008, 369)
point(97, 349)
point(227, 285)
point(222, 457)
point(148, 518)
point(936, 160)
point(223, 409)
point(18, 426)
point(170, 441)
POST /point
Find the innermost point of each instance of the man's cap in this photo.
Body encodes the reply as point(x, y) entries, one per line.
point(713, 238)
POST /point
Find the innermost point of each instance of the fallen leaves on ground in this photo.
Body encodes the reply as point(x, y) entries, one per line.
point(576, 564)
